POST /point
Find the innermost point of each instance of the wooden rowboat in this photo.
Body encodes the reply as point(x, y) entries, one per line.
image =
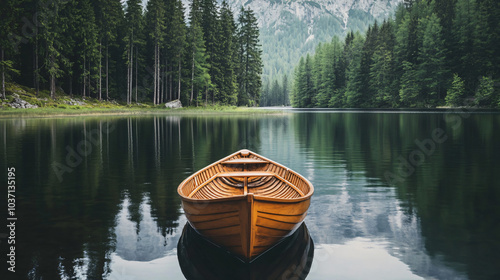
point(245, 203)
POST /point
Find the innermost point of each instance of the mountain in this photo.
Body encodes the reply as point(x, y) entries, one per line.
point(291, 28)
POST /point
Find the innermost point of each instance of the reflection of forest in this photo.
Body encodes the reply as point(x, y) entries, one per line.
point(453, 194)
point(123, 191)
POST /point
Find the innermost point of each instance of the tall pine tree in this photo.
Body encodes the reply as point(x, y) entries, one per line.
point(133, 31)
point(250, 62)
point(200, 77)
point(228, 87)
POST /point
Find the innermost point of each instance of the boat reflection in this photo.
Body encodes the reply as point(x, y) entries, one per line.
point(200, 259)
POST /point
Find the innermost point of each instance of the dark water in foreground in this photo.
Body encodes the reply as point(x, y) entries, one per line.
point(399, 195)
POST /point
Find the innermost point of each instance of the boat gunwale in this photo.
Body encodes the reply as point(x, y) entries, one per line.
point(244, 196)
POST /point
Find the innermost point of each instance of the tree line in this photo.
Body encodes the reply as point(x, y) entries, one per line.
point(275, 93)
point(432, 53)
point(101, 49)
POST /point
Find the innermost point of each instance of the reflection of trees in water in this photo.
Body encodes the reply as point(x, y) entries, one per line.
point(67, 228)
point(57, 232)
point(139, 241)
point(452, 193)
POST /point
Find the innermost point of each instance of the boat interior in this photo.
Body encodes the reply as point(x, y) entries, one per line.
point(244, 174)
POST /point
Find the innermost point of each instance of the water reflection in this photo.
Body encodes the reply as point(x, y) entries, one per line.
point(141, 241)
point(359, 258)
point(202, 260)
point(117, 213)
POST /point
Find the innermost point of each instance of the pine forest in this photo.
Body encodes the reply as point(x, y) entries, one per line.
point(130, 53)
point(431, 54)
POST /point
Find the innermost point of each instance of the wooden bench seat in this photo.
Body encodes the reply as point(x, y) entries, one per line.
point(246, 174)
point(244, 161)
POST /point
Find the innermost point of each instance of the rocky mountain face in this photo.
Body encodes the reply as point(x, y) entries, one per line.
point(270, 12)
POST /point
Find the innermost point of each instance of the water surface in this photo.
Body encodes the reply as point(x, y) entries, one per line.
point(96, 197)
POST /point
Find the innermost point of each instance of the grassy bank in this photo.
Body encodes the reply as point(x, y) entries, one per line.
point(65, 105)
point(56, 112)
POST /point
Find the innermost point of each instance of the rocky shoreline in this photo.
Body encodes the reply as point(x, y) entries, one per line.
point(19, 103)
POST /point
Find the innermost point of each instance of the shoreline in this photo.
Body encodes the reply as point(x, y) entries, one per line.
point(57, 112)
point(214, 111)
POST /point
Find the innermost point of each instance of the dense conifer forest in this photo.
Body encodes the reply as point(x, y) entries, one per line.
point(103, 50)
point(432, 53)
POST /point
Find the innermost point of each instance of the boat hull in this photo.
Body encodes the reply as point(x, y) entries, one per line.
point(246, 226)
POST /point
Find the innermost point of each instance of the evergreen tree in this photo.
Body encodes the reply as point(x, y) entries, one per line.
point(468, 43)
point(489, 28)
point(405, 51)
point(109, 20)
point(285, 94)
point(210, 24)
point(200, 77)
point(275, 93)
point(409, 91)
point(298, 84)
point(179, 41)
point(432, 72)
point(382, 69)
point(264, 98)
point(485, 93)
point(308, 84)
point(354, 81)
point(51, 34)
point(455, 93)
point(317, 72)
point(71, 46)
point(366, 92)
point(228, 87)
point(132, 39)
point(88, 47)
point(8, 41)
point(173, 52)
point(155, 19)
point(250, 63)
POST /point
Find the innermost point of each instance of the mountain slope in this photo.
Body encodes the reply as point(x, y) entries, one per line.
point(291, 28)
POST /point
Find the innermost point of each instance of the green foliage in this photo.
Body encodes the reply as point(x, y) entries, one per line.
point(407, 61)
point(7, 67)
point(353, 72)
point(201, 80)
point(96, 47)
point(337, 100)
point(454, 96)
point(250, 62)
point(432, 70)
point(289, 39)
point(227, 57)
point(485, 93)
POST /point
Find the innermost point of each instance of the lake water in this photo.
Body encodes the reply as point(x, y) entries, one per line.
point(398, 194)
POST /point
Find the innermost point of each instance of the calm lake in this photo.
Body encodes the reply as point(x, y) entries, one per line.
point(398, 194)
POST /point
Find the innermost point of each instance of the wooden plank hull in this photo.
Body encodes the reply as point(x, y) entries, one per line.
point(246, 228)
point(247, 213)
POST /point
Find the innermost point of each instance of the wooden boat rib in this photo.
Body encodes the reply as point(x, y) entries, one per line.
point(245, 202)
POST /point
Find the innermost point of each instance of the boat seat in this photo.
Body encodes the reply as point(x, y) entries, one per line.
point(244, 161)
point(246, 174)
